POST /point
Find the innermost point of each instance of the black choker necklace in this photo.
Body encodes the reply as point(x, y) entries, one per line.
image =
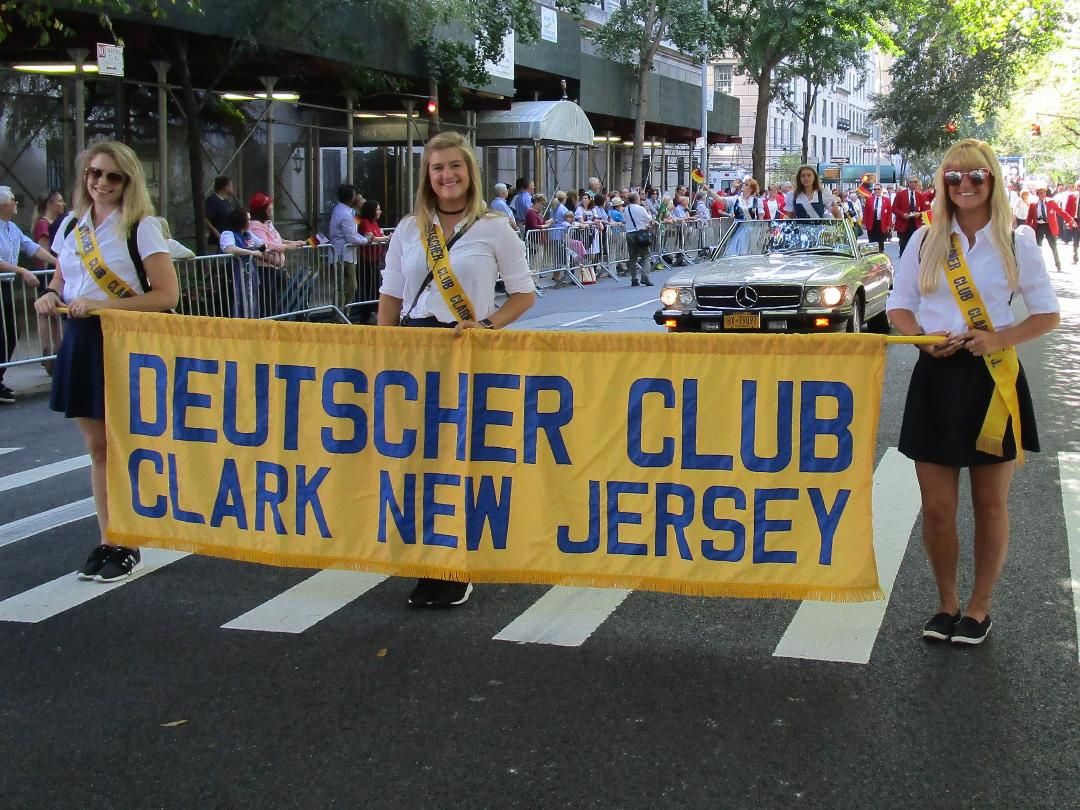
point(451, 213)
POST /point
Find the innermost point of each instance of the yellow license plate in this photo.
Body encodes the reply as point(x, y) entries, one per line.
point(744, 320)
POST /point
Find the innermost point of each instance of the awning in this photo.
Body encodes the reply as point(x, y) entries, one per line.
point(529, 121)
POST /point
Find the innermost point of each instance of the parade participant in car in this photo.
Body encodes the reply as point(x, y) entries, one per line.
point(112, 224)
point(449, 205)
point(809, 200)
point(968, 403)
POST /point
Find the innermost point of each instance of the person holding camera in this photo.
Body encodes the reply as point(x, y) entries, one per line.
point(238, 241)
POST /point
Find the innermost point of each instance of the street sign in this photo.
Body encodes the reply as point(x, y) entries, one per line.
point(840, 160)
point(110, 59)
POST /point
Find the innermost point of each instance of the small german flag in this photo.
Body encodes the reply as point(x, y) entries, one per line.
point(697, 176)
point(926, 218)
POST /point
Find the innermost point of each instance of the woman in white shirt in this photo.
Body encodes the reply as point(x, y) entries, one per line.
point(111, 205)
point(482, 251)
point(810, 200)
point(951, 386)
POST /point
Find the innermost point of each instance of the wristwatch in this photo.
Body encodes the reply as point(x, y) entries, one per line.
point(487, 324)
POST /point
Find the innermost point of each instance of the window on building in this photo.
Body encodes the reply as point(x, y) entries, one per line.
point(722, 78)
point(791, 133)
point(813, 147)
point(813, 115)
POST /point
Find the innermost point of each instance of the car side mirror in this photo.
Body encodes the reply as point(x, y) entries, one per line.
point(867, 250)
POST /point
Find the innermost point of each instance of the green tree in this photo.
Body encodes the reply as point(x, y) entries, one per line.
point(632, 36)
point(960, 62)
point(765, 34)
point(41, 18)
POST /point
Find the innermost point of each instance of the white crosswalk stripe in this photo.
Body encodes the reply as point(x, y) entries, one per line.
point(32, 476)
point(308, 603)
point(1069, 470)
point(6, 450)
point(43, 521)
point(564, 617)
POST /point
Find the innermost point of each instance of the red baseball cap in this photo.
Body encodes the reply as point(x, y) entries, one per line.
point(259, 201)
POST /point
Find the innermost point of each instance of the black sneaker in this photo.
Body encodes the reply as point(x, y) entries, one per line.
point(646, 281)
point(969, 631)
point(423, 595)
point(7, 396)
point(452, 594)
point(121, 564)
point(635, 283)
point(95, 562)
point(940, 628)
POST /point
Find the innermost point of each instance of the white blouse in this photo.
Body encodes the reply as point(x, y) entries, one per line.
point(791, 200)
point(489, 250)
point(114, 251)
point(938, 311)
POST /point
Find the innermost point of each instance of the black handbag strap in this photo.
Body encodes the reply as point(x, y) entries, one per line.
point(430, 275)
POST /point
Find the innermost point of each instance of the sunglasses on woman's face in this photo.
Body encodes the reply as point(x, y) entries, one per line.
point(95, 174)
point(977, 176)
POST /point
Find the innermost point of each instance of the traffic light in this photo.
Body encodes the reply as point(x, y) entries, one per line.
point(1036, 130)
point(432, 105)
point(950, 127)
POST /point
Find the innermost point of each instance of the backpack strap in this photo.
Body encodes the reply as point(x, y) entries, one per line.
point(133, 252)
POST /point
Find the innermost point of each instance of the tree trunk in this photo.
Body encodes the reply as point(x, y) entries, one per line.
point(192, 110)
point(761, 122)
point(811, 102)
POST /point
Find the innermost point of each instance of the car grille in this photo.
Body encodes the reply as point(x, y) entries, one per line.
point(769, 296)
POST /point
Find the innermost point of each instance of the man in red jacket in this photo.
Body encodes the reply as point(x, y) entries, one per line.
point(1043, 216)
point(877, 217)
point(907, 208)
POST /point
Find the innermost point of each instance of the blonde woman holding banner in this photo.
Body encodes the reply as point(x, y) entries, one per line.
point(453, 237)
point(968, 403)
point(112, 221)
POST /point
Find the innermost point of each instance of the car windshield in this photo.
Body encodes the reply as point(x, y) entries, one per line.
point(761, 237)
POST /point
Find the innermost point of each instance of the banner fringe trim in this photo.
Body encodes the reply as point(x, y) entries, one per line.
point(740, 590)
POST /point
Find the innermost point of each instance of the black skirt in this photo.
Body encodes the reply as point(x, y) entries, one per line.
point(78, 381)
point(946, 405)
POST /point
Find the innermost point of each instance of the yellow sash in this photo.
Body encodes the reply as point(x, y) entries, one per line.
point(438, 261)
point(1004, 364)
point(88, 250)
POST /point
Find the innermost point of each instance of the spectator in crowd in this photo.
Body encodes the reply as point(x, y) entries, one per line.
point(522, 200)
point(651, 201)
point(701, 206)
point(585, 215)
point(238, 241)
point(500, 206)
point(217, 207)
point(811, 200)
point(560, 207)
point(346, 237)
point(112, 213)
point(47, 216)
point(176, 250)
point(534, 219)
point(617, 213)
point(596, 187)
point(1021, 207)
point(480, 249)
point(261, 208)
point(638, 221)
point(14, 242)
point(370, 256)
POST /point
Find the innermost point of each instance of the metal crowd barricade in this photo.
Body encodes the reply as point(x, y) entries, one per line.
point(555, 253)
point(25, 335)
point(617, 252)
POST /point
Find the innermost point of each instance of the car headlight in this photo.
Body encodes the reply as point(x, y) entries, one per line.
point(677, 296)
point(831, 296)
point(813, 296)
point(668, 296)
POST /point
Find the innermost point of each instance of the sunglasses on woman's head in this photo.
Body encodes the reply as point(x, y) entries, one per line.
point(94, 173)
point(977, 176)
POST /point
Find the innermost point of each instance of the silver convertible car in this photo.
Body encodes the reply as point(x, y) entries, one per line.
point(792, 275)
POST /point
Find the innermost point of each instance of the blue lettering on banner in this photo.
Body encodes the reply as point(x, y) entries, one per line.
point(160, 506)
point(179, 512)
point(592, 542)
point(307, 496)
point(483, 417)
point(677, 521)
point(183, 400)
point(385, 380)
point(267, 498)
point(712, 521)
point(691, 459)
point(762, 525)
point(432, 508)
point(137, 424)
point(616, 517)
point(634, 451)
point(828, 520)
point(810, 426)
point(551, 422)
point(230, 497)
point(260, 398)
point(347, 411)
point(403, 512)
point(435, 415)
point(293, 377)
point(748, 449)
point(481, 506)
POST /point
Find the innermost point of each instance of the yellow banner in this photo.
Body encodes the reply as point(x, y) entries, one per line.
point(726, 465)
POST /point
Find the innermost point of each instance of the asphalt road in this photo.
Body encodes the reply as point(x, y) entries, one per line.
point(666, 701)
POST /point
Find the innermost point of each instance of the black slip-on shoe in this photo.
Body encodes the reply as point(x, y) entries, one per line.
point(940, 627)
point(971, 632)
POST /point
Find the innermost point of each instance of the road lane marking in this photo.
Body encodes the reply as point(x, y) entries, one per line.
point(43, 521)
point(828, 631)
point(307, 603)
point(582, 320)
point(6, 450)
point(26, 477)
point(67, 592)
point(652, 301)
point(564, 617)
point(1069, 472)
